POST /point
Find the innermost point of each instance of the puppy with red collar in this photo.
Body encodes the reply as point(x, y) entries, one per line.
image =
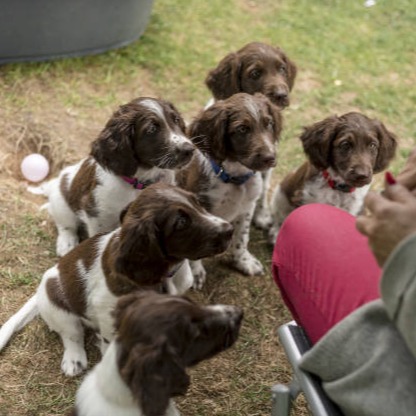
point(162, 228)
point(344, 152)
point(143, 142)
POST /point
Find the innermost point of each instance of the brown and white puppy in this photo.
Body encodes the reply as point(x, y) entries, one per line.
point(344, 152)
point(164, 226)
point(142, 143)
point(256, 67)
point(157, 338)
point(237, 140)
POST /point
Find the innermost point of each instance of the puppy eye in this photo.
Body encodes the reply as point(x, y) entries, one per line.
point(152, 128)
point(345, 146)
point(373, 146)
point(182, 221)
point(270, 124)
point(254, 74)
point(283, 69)
point(176, 119)
point(243, 129)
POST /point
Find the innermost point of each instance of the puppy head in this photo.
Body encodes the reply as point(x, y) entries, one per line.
point(162, 227)
point(353, 145)
point(257, 67)
point(243, 128)
point(159, 336)
point(145, 133)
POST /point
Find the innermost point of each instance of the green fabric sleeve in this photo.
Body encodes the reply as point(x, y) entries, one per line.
point(398, 290)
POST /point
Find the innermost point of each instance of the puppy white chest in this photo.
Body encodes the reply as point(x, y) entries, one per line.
point(229, 201)
point(318, 191)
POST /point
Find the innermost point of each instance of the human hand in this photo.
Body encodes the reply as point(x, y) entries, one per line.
point(407, 177)
point(391, 218)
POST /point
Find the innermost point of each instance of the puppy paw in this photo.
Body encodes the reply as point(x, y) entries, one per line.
point(262, 218)
point(74, 363)
point(272, 234)
point(102, 344)
point(247, 264)
point(200, 275)
point(65, 243)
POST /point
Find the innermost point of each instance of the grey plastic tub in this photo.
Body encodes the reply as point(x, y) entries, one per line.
point(38, 30)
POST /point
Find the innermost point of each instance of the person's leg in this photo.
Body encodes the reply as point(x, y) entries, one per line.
point(323, 267)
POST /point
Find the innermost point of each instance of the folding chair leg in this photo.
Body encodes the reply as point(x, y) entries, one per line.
point(283, 396)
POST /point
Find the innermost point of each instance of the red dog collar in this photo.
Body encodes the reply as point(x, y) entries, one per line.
point(343, 187)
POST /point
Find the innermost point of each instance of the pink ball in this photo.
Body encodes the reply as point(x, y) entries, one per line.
point(35, 167)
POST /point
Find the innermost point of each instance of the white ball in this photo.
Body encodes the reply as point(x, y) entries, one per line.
point(35, 167)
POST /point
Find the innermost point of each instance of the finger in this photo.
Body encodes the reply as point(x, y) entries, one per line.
point(373, 200)
point(398, 193)
point(364, 224)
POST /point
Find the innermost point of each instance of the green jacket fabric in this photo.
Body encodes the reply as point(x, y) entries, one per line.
point(367, 361)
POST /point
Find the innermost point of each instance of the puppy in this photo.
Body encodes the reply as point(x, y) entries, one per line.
point(142, 143)
point(344, 152)
point(160, 229)
point(157, 338)
point(236, 138)
point(256, 67)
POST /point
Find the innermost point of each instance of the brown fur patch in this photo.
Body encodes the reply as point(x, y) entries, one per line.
point(293, 184)
point(79, 195)
point(195, 180)
point(118, 283)
point(56, 294)
point(71, 282)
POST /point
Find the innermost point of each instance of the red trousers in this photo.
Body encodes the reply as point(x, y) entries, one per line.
point(323, 267)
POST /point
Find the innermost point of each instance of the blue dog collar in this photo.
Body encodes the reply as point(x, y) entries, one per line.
point(226, 178)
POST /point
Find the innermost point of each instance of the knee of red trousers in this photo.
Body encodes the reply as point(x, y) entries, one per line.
point(323, 267)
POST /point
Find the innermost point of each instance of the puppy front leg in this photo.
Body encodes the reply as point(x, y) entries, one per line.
point(262, 217)
point(241, 258)
point(280, 208)
point(182, 280)
point(66, 223)
point(199, 274)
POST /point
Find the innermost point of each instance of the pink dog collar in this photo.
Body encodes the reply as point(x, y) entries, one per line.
point(135, 182)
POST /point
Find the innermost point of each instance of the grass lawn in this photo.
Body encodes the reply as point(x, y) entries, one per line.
point(349, 57)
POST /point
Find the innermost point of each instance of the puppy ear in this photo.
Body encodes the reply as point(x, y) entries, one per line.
point(317, 139)
point(387, 149)
point(181, 122)
point(114, 149)
point(276, 114)
point(208, 131)
point(291, 69)
point(224, 80)
point(154, 375)
point(140, 254)
point(124, 212)
point(123, 304)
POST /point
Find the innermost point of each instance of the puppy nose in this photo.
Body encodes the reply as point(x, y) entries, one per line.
point(362, 177)
point(267, 160)
point(238, 315)
point(187, 149)
point(280, 96)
